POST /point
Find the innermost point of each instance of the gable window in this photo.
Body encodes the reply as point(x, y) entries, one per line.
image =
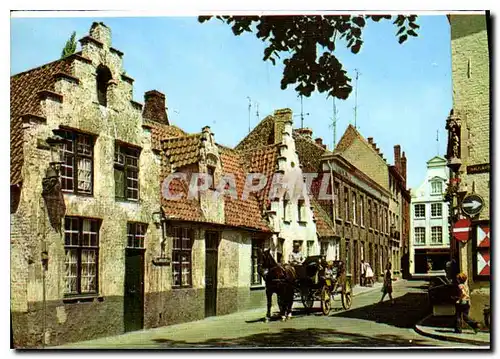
point(286, 210)
point(436, 210)
point(135, 234)
point(419, 236)
point(126, 172)
point(81, 246)
point(78, 163)
point(346, 204)
point(420, 211)
point(211, 175)
point(437, 235)
point(103, 76)
point(181, 257)
point(301, 209)
point(436, 187)
point(257, 245)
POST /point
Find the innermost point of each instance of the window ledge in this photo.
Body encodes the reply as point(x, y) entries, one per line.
point(338, 220)
point(362, 226)
point(286, 221)
point(257, 287)
point(77, 194)
point(183, 287)
point(347, 222)
point(83, 298)
point(124, 200)
point(302, 222)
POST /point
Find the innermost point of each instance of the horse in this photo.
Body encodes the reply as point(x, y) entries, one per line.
point(280, 279)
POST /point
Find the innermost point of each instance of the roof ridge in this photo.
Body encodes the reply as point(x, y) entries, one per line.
point(264, 120)
point(43, 65)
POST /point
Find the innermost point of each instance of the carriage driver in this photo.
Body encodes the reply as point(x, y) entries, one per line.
point(296, 257)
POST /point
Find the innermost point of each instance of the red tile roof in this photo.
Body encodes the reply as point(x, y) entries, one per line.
point(263, 160)
point(184, 208)
point(24, 89)
point(160, 131)
point(183, 150)
point(324, 224)
point(239, 212)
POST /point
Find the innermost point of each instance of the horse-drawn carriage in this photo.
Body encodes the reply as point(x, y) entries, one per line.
point(314, 280)
point(319, 280)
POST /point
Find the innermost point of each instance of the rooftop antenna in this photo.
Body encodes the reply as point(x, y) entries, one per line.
point(249, 111)
point(356, 99)
point(257, 112)
point(302, 114)
point(334, 122)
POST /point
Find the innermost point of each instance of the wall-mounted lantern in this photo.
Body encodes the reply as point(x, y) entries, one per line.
point(56, 144)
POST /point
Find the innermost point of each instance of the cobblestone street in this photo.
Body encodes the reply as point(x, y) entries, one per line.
point(366, 324)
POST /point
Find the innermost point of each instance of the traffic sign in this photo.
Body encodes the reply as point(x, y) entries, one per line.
point(472, 204)
point(461, 229)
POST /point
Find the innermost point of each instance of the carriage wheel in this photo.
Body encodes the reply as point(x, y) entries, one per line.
point(346, 295)
point(308, 300)
point(326, 300)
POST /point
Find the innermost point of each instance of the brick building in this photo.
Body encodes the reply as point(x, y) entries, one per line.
point(353, 223)
point(469, 149)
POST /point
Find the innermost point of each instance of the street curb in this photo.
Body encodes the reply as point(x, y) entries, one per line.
point(419, 329)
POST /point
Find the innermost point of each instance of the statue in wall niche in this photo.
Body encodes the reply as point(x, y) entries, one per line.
point(453, 125)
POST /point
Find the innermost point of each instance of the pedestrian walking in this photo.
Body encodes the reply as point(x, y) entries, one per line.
point(462, 305)
point(363, 273)
point(387, 287)
point(368, 275)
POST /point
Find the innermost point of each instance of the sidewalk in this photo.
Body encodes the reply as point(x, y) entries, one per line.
point(441, 328)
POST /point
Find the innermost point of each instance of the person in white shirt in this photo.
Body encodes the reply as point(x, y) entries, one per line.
point(363, 273)
point(296, 257)
point(368, 275)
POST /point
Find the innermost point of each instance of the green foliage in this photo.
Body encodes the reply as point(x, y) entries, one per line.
point(70, 47)
point(301, 37)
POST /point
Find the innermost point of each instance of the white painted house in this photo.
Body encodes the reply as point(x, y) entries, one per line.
point(429, 229)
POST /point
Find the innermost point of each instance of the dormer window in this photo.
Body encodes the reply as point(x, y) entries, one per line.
point(436, 187)
point(102, 81)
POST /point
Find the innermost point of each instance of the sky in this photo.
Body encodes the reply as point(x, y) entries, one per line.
point(208, 74)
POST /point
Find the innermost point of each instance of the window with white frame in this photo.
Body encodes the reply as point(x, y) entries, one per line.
point(336, 199)
point(310, 246)
point(436, 210)
point(361, 211)
point(419, 236)
point(301, 210)
point(77, 166)
point(346, 204)
point(181, 256)
point(324, 248)
point(354, 207)
point(419, 211)
point(257, 245)
point(81, 245)
point(436, 187)
point(437, 235)
point(286, 210)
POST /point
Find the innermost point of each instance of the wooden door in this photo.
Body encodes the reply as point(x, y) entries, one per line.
point(134, 289)
point(211, 260)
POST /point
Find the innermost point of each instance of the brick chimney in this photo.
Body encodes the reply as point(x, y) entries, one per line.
point(370, 140)
point(319, 141)
point(306, 132)
point(403, 166)
point(397, 157)
point(154, 107)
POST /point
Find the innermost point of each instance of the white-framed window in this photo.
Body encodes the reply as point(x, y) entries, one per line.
point(257, 245)
point(354, 207)
point(346, 204)
point(419, 236)
point(361, 211)
point(437, 235)
point(324, 248)
point(286, 210)
point(301, 209)
point(309, 250)
point(419, 211)
point(436, 210)
point(436, 187)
